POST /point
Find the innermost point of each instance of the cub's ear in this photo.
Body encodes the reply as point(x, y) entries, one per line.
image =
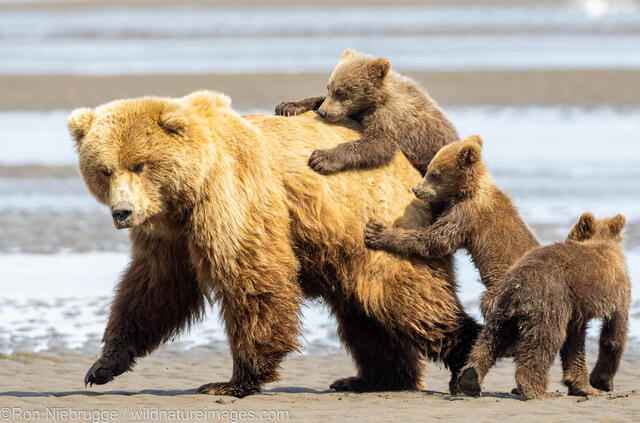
point(206, 99)
point(379, 68)
point(79, 123)
point(584, 229)
point(349, 53)
point(616, 224)
point(172, 123)
point(476, 139)
point(469, 154)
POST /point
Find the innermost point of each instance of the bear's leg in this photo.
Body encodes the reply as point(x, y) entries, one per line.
point(384, 362)
point(574, 368)
point(491, 344)
point(539, 342)
point(294, 108)
point(262, 329)
point(613, 338)
point(157, 296)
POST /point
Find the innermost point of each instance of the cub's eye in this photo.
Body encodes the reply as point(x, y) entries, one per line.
point(341, 93)
point(105, 173)
point(138, 168)
point(434, 176)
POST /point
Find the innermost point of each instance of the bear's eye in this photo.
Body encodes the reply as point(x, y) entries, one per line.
point(434, 176)
point(341, 93)
point(138, 168)
point(105, 173)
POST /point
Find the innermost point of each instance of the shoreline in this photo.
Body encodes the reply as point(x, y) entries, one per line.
point(584, 88)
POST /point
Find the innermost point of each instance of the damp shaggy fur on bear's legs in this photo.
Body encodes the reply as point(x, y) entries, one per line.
point(384, 361)
point(613, 338)
point(574, 367)
point(157, 297)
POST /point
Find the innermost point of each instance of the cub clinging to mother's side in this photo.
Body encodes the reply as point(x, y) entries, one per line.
point(394, 111)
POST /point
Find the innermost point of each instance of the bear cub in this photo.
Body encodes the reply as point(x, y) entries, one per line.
point(479, 217)
point(549, 296)
point(395, 114)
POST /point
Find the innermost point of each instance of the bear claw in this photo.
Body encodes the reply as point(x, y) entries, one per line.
point(105, 370)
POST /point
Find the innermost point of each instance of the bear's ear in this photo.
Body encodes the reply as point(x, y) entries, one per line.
point(207, 98)
point(348, 53)
point(379, 68)
point(584, 229)
point(616, 224)
point(469, 154)
point(79, 123)
point(172, 123)
point(476, 139)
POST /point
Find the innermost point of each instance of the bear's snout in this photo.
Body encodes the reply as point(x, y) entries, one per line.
point(122, 214)
point(322, 113)
point(415, 191)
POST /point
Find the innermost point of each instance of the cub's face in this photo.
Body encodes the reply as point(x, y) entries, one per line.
point(354, 85)
point(588, 227)
point(448, 173)
point(138, 157)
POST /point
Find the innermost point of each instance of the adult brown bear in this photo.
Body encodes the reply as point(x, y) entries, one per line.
point(224, 208)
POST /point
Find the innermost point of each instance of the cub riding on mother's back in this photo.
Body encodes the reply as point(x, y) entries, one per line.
point(394, 112)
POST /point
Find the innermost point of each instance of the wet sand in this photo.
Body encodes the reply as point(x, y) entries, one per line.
point(586, 88)
point(167, 380)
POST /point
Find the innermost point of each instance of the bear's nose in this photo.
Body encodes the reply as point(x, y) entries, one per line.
point(322, 113)
point(121, 212)
point(415, 190)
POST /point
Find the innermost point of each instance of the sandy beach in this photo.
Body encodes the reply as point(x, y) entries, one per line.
point(166, 381)
point(585, 88)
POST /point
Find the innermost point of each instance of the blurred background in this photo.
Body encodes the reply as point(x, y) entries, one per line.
point(553, 86)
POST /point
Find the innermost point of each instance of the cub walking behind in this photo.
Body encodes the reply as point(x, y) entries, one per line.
point(549, 296)
point(394, 112)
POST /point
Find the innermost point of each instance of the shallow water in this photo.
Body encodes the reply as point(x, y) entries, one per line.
point(298, 38)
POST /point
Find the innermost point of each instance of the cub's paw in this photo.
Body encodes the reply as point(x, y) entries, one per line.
point(469, 383)
point(107, 368)
point(322, 162)
point(352, 384)
point(226, 388)
point(290, 108)
point(374, 233)
point(602, 383)
point(584, 391)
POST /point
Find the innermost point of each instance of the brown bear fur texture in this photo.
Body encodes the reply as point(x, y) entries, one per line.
point(548, 297)
point(394, 111)
point(224, 208)
point(480, 217)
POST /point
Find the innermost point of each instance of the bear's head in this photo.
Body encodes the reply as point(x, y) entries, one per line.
point(144, 158)
point(588, 227)
point(452, 172)
point(354, 86)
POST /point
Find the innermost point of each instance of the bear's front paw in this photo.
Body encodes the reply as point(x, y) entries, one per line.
point(290, 108)
point(107, 368)
point(374, 234)
point(469, 382)
point(322, 162)
point(226, 388)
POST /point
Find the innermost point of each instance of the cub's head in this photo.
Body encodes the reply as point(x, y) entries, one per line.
point(452, 172)
point(143, 157)
point(355, 85)
point(588, 227)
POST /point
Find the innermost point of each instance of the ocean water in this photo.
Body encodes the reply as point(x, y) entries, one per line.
point(310, 37)
point(60, 256)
